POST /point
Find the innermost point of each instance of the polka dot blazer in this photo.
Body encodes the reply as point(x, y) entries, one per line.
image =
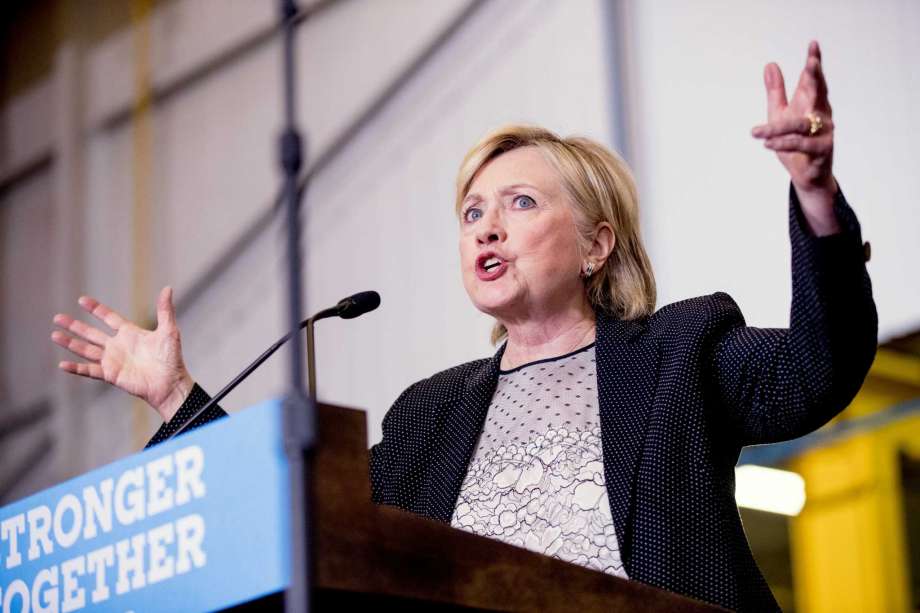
point(680, 393)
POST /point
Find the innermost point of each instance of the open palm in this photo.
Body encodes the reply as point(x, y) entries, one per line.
point(145, 363)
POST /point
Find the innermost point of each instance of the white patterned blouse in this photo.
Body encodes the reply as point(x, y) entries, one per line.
point(536, 479)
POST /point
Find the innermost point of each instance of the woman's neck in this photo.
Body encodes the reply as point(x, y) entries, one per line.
point(529, 341)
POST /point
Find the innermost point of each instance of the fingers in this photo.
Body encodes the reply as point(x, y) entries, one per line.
point(776, 90)
point(166, 311)
point(808, 80)
point(75, 326)
point(797, 142)
point(795, 125)
point(102, 312)
point(814, 50)
point(79, 347)
point(811, 81)
point(790, 125)
point(93, 371)
point(817, 70)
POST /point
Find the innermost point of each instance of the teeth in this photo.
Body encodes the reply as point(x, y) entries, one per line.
point(491, 263)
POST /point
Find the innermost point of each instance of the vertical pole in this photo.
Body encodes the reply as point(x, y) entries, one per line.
point(299, 430)
point(142, 167)
point(619, 55)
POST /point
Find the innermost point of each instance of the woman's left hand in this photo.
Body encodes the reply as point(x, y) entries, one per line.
point(801, 132)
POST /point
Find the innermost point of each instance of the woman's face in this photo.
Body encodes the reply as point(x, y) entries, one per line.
point(518, 242)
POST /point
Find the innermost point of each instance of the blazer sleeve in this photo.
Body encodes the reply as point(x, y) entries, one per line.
point(395, 447)
point(196, 399)
point(777, 384)
point(400, 462)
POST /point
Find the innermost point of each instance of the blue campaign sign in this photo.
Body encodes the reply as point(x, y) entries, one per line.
point(195, 524)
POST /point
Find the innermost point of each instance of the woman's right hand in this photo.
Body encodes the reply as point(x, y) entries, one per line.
point(145, 363)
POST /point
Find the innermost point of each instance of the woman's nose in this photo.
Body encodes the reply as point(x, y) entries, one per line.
point(491, 229)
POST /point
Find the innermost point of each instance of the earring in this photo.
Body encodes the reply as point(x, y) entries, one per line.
point(589, 270)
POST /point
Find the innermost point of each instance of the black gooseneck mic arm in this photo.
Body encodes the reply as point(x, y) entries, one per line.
point(347, 308)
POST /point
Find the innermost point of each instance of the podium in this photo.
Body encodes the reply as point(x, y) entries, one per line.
point(198, 523)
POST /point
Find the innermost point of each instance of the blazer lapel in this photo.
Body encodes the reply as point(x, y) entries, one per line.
point(627, 374)
point(456, 440)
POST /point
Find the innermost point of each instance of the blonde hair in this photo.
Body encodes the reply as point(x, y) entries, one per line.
point(602, 189)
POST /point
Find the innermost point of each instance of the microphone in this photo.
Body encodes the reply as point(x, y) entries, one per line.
point(347, 308)
point(357, 305)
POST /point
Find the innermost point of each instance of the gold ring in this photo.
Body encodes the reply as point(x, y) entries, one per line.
point(815, 123)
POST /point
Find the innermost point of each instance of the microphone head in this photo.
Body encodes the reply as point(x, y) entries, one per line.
point(359, 304)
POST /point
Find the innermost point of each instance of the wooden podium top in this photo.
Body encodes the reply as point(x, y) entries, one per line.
point(368, 554)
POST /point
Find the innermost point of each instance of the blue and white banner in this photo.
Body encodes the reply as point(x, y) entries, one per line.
point(196, 524)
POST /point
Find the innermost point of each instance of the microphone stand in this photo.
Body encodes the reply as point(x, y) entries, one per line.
point(311, 359)
point(299, 410)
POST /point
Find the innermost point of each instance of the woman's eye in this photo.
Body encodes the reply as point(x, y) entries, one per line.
point(525, 202)
point(472, 214)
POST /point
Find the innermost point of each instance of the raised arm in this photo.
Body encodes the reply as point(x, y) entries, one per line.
point(776, 384)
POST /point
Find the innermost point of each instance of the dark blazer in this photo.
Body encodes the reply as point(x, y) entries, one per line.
point(680, 393)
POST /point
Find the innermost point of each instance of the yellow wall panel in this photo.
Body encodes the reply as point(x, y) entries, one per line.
point(849, 542)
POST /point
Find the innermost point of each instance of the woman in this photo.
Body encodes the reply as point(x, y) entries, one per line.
point(601, 432)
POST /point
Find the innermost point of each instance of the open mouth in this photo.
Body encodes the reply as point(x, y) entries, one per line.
point(489, 266)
